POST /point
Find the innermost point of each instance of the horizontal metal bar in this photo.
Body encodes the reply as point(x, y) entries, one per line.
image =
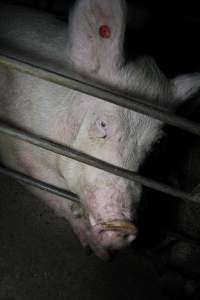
point(133, 103)
point(184, 237)
point(39, 184)
point(89, 160)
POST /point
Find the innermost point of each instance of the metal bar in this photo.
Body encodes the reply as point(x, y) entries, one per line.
point(39, 184)
point(132, 103)
point(91, 161)
point(183, 237)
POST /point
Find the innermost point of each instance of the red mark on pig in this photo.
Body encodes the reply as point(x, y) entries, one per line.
point(105, 31)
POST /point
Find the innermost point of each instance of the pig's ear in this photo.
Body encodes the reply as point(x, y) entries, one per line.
point(185, 87)
point(96, 35)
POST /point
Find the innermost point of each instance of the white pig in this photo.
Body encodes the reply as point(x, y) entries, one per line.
point(93, 45)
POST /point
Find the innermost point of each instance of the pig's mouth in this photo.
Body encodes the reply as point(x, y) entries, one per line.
point(107, 238)
point(119, 226)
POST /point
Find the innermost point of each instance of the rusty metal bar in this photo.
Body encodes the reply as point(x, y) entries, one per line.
point(129, 102)
point(91, 161)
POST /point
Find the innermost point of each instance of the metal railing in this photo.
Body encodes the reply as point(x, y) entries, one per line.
point(72, 81)
point(130, 102)
point(39, 184)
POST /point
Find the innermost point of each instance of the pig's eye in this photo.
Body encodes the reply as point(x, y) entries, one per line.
point(99, 129)
point(102, 124)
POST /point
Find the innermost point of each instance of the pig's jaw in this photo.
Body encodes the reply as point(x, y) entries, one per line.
point(107, 225)
point(112, 231)
point(105, 238)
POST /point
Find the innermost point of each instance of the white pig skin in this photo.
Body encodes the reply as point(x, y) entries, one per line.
point(93, 126)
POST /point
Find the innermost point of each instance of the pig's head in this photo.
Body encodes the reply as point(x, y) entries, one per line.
point(123, 138)
point(109, 132)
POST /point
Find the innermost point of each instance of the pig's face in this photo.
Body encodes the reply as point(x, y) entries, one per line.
point(123, 138)
point(113, 134)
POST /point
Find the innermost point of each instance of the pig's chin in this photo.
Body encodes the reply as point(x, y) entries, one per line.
point(106, 239)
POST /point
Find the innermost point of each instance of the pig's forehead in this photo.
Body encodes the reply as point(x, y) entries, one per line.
point(99, 105)
point(135, 120)
point(95, 102)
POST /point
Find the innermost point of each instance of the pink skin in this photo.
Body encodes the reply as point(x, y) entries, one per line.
point(108, 200)
point(114, 235)
point(108, 225)
point(105, 239)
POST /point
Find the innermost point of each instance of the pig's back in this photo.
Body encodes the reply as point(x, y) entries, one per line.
point(32, 34)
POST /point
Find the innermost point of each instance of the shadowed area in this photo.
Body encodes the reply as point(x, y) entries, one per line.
point(40, 258)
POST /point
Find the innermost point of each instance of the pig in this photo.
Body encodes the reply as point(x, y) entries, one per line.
point(92, 44)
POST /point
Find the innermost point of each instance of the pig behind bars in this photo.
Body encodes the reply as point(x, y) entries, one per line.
point(93, 45)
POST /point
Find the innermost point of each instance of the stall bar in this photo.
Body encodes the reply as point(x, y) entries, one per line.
point(132, 103)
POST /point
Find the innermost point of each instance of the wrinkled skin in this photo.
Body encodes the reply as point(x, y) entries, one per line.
point(105, 222)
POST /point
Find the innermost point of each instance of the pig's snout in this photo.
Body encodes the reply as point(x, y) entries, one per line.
point(115, 235)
